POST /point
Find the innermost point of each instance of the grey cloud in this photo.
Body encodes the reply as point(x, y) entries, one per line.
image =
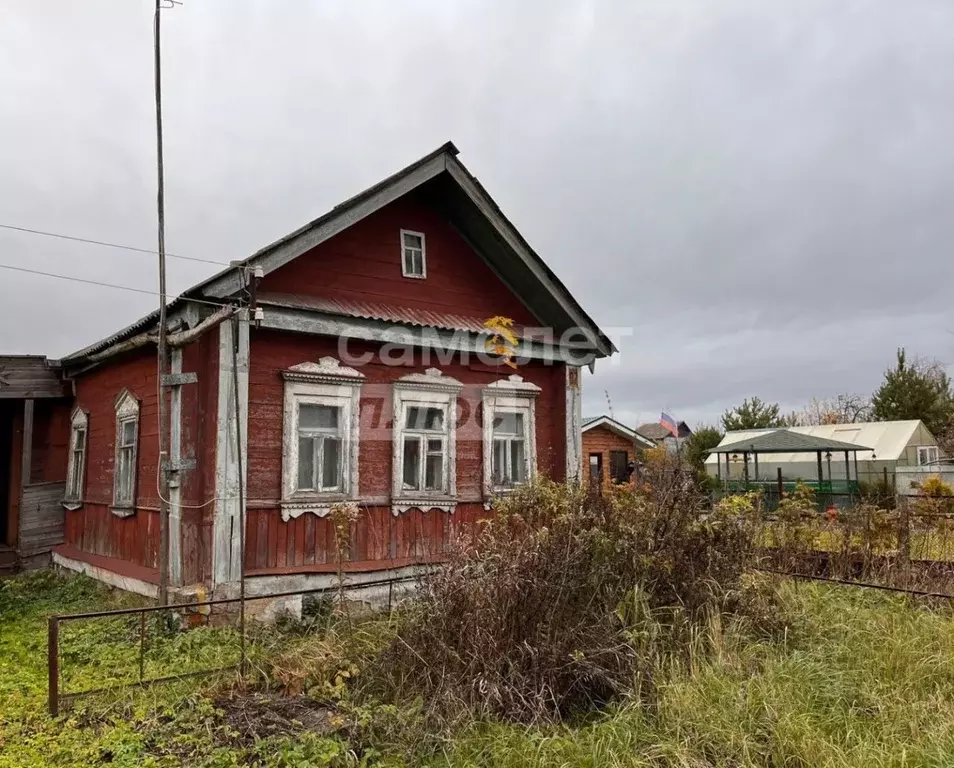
point(763, 191)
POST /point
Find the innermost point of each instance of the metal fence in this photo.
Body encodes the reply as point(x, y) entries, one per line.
point(55, 665)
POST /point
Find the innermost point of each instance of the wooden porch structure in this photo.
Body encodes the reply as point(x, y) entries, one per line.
point(31, 517)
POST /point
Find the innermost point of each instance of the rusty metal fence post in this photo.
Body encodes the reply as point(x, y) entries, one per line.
point(904, 535)
point(53, 665)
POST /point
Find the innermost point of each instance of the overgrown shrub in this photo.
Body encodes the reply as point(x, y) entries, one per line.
point(565, 600)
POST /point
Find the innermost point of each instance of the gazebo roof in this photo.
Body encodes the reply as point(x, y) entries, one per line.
point(787, 441)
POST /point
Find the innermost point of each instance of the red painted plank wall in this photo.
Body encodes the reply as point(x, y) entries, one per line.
point(307, 542)
point(51, 440)
point(94, 528)
point(363, 263)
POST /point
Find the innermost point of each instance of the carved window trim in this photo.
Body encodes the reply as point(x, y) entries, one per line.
point(76, 461)
point(429, 389)
point(126, 455)
point(510, 395)
point(326, 382)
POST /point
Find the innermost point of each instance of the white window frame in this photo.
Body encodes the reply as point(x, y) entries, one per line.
point(931, 451)
point(76, 462)
point(511, 395)
point(329, 383)
point(430, 389)
point(127, 411)
point(405, 249)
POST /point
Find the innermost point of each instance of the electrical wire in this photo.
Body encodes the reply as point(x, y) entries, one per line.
point(75, 239)
point(115, 286)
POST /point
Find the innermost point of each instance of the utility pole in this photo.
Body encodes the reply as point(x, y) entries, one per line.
point(163, 362)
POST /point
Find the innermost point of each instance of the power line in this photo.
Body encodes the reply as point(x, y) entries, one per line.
point(75, 239)
point(101, 284)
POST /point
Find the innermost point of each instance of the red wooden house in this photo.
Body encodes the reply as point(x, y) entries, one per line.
point(346, 362)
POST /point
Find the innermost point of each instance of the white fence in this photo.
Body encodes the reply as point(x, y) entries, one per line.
point(907, 479)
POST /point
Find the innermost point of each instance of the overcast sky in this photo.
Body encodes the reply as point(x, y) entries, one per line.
point(763, 190)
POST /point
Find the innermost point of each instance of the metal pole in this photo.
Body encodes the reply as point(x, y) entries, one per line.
point(162, 353)
point(142, 645)
point(848, 475)
point(53, 665)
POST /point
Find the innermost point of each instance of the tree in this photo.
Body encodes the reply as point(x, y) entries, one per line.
point(946, 437)
point(917, 390)
point(700, 444)
point(756, 414)
point(842, 409)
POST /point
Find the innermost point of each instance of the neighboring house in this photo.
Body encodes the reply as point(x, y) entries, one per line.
point(899, 448)
point(608, 449)
point(660, 434)
point(362, 377)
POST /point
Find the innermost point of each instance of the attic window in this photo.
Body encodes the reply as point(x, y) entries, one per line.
point(413, 259)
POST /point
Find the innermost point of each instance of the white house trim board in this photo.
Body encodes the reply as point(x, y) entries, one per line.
point(326, 382)
point(302, 320)
point(226, 530)
point(430, 389)
point(574, 418)
point(175, 487)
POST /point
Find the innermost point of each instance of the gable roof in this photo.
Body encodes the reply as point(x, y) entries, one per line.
point(616, 427)
point(880, 440)
point(473, 212)
point(786, 441)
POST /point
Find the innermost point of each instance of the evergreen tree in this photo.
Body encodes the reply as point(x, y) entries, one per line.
point(698, 446)
point(756, 414)
point(918, 390)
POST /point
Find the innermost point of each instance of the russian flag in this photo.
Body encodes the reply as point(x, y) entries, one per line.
point(669, 423)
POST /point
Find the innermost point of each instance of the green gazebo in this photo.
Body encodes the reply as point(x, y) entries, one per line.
point(788, 441)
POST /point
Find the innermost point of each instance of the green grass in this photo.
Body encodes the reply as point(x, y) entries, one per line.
point(864, 679)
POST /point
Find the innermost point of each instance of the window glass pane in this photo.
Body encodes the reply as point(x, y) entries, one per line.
point(412, 241)
point(500, 461)
point(417, 262)
point(80, 439)
point(508, 424)
point(435, 446)
point(306, 463)
point(409, 262)
point(317, 416)
point(125, 475)
point(412, 464)
point(425, 418)
point(129, 432)
point(331, 463)
point(434, 473)
point(618, 463)
point(518, 464)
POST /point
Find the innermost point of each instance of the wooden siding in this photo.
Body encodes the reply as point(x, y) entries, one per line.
point(41, 522)
point(363, 263)
point(51, 441)
point(307, 543)
point(603, 441)
point(29, 377)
